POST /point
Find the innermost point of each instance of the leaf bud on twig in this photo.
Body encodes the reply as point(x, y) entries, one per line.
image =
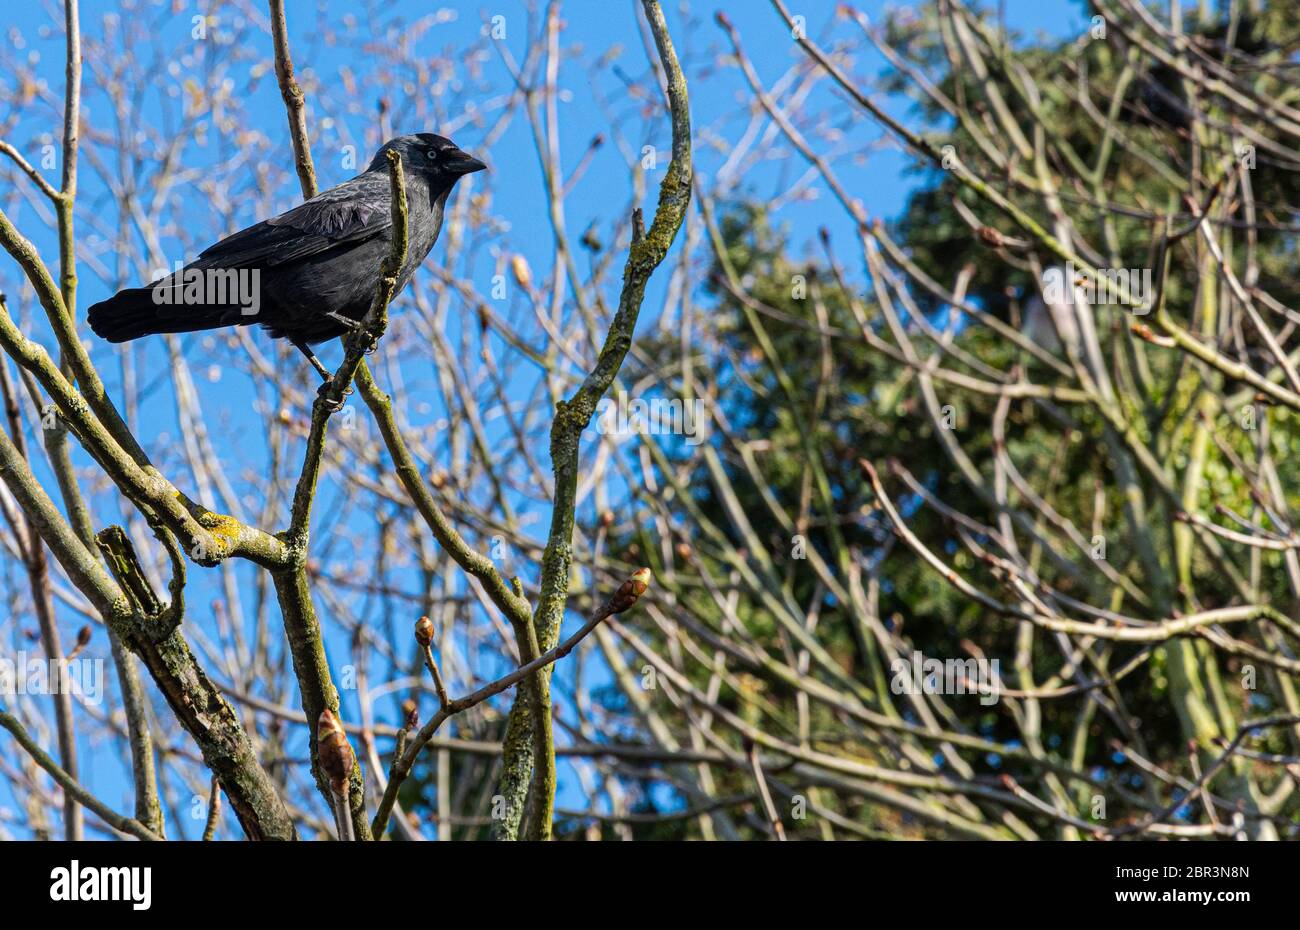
point(336, 757)
point(630, 591)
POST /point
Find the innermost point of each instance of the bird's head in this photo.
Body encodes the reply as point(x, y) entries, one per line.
point(435, 157)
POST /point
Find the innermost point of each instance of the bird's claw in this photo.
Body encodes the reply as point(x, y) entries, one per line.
point(331, 404)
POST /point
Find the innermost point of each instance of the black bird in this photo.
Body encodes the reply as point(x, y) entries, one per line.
point(307, 275)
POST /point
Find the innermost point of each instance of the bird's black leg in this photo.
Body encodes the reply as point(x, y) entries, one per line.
point(326, 378)
point(352, 325)
point(346, 321)
point(315, 362)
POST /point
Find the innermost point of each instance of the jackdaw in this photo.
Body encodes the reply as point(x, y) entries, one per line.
point(307, 275)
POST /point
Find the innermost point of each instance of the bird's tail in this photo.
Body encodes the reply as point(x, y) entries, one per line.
point(136, 312)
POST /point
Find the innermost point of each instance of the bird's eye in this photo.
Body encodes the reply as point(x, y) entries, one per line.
point(432, 153)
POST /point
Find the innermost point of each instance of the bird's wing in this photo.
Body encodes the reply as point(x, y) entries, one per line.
point(354, 211)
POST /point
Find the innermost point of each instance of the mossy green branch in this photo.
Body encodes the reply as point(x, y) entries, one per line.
point(302, 629)
point(197, 703)
point(529, 747)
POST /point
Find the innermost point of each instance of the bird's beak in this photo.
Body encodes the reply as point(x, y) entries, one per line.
point(463, 163)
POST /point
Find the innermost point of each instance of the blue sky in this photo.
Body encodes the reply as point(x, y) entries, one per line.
point(326, 59)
